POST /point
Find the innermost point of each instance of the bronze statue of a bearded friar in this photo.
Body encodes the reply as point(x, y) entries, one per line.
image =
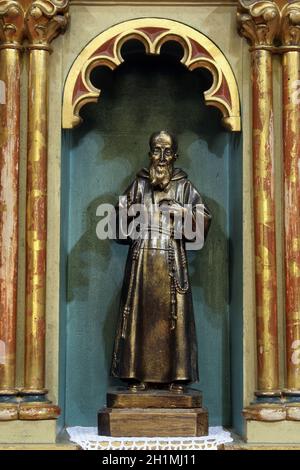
point(155, 342)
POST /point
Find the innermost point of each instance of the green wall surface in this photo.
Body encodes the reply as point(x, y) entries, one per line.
point(101, 158)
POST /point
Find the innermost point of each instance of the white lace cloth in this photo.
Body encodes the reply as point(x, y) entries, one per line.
point(88, 439)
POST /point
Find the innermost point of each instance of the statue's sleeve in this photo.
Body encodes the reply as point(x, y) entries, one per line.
point(129, 197)
point(194, 200)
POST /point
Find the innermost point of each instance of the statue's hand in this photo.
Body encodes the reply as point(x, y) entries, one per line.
point(172, 207)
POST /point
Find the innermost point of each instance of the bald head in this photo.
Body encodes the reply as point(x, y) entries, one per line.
point(163, 137)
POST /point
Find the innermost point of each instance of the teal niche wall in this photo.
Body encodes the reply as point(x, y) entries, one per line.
point(100, 158)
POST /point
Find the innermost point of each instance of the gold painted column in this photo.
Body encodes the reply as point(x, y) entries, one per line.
point(44, 21)
point(11, 32)
point(290, 35)
point(259, 23)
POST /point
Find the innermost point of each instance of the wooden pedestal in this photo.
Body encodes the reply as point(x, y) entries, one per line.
point(153, 413)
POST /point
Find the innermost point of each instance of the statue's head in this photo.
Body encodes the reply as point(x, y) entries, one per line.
point(163, 153)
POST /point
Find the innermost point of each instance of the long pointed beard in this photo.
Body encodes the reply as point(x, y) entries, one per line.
point(160, 176)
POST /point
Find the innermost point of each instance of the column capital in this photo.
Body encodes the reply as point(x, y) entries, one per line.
point(11, 24)
point(258, 22)
point(290, 24)
point(45, 20)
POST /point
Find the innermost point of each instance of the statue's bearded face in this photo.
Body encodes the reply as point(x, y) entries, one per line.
point(162, 157)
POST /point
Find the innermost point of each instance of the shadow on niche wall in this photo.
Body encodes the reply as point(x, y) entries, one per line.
point(105, 153)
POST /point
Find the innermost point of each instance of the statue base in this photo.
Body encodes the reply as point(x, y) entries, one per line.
point(153, 413)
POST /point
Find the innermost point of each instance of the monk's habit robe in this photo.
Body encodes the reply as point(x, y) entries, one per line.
point(156, 338)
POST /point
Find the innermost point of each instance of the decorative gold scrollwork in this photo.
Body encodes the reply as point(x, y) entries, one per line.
point(45, 20)
point(11, 23)
point(258, 22)
point(290, 24)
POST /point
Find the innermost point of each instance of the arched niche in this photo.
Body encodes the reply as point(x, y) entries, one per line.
point(99, 160)
point(105, 50)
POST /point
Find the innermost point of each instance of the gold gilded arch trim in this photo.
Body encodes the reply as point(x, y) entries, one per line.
point(105, 50)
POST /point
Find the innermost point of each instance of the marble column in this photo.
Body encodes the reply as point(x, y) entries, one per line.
point(45, 20)
point(290, 49)
point(11, 35)
point(259, 23)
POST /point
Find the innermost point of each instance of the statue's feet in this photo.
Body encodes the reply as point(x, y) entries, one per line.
point(176, 387)
point(137, 387)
